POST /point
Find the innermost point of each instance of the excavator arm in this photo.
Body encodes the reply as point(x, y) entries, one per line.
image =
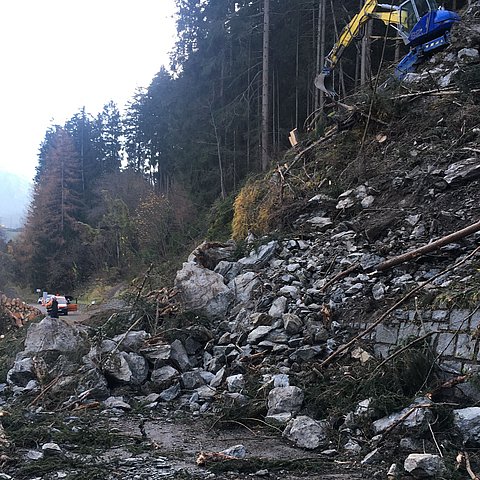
point(422, 25)
point(349, 33)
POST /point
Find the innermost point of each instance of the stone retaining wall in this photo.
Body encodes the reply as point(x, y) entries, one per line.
point(455, 334)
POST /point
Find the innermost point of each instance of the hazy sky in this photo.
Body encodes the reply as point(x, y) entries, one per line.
point(59, 55)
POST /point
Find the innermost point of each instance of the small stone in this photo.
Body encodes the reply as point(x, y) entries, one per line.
point(422, 465)
point(51, 449)
point(262, 473)
point(237, 451)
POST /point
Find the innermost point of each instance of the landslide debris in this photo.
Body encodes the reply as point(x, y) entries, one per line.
point(235, 351)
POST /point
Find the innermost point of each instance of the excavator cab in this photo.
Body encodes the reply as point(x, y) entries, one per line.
point(423, 20)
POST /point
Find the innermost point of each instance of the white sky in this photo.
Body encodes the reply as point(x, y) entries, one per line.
point(59, 55)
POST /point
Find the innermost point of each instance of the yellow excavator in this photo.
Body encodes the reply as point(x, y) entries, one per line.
point(422, 25)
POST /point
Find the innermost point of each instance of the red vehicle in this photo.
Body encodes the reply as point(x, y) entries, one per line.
point(62, 304)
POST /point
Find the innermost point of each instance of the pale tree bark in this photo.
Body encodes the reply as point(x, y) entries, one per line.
point(341, 76)
point(219, 155)
point(265, 85)
point(320, 95)
point(366, 60)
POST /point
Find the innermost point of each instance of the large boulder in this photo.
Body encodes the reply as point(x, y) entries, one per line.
point(203, 290)
point(54, 334)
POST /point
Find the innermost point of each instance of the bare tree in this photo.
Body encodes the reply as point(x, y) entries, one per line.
point(265, 84)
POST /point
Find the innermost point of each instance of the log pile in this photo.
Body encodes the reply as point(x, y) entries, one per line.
point(15, 312)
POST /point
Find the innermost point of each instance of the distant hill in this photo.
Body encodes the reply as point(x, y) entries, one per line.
point(14, 198)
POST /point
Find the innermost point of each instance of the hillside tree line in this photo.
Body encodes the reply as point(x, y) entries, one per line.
point(114, 191)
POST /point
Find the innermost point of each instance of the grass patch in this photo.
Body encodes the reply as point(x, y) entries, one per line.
point(252, 465)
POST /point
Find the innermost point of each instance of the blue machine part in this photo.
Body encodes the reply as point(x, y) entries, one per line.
point(431, 26)
point(430, 33)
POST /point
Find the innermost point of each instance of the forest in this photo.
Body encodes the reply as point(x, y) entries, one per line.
point(116, 191)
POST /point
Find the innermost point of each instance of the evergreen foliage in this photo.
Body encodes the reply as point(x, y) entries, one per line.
point(117, 189)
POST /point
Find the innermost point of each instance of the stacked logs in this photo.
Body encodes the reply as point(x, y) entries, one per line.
point(16, 312)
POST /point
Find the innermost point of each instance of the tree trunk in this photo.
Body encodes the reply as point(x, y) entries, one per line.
point(320, 96)
point(366, 64)
point(219, 155)
point(265, 84)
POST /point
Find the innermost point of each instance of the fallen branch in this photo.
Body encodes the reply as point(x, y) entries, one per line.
point(468, 466)
point(448, 384)
point(428, 248)
point(345, 347)
point(434, 92)
point(441, 242)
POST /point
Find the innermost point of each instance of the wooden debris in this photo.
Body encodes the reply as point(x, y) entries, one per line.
point(204, 457)
point(16, 311)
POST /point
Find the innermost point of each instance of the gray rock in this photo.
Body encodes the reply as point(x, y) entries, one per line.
point(422, 465)
point(279, 419)
point(292, 323)
point(33, 455)
point(464, 170)
point(131, 341)
point(321, 223)
point(116, 367)
point(289, 290)
point(371, 457)
point(163, 377)
point(57, 335)
point(158, 354)
point(138, 367)
point(117, 402)
point(367, 202)
point(244, 287)
point(170, 393)
point(192, 380)
point(259, 257)
point(469, 53)
point(281, 380)
point(228, 270)
point(417, 418)
point(285, 399)
point(237, 451)
point(353, 447)
point(467, 423)
point(306, 353)
point(378, 291)
point(235, 383)
point(307, 433)
point(218, 378)
point(51, 449)
point(257, 334)
point(180, 357)
point(21, 372)
point(278, 307)
point(203, 290)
